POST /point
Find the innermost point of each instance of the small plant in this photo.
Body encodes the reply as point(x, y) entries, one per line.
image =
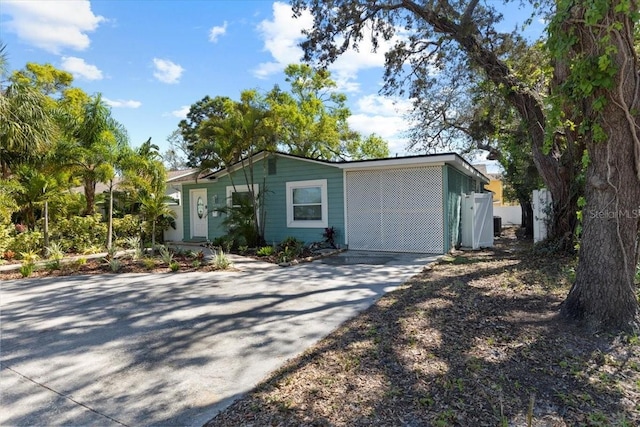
point(55, 255)
point(79, 262)
point(287, 254)
point(330, 235)
point(265, 251)
point(112, 252)
point(26, 270)
point(28, 263)
point(9, 255)
point(133, 242)
point(165, 254)
point(243, 249)
point(174, 266)
point(29, 257)
point(92, 250)
point(290, 248)
point(200, 256)
point(196, 263)
point(221, 261)
point(148, 263)
point(115, 264)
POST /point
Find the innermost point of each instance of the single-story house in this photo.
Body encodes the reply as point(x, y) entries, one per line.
point(403, 204)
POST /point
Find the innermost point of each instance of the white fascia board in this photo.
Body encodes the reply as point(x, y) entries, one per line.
point(437, 160)
point(261, 155)
point(469, 170)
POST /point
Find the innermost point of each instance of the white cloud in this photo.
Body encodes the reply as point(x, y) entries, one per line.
point(121, 103)
point(281, 37)
point(80, 69)
point(283, 34)
point(182, 112)
point(52, 25)
point(167, 71)
point(384, 116)
point(217, 31)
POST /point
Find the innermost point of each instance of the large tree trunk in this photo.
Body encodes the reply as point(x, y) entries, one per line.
point(550, 163)
point(527, 217)
point(604, 294)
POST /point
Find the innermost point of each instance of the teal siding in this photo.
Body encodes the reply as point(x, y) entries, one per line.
point(455, 184)
point(287, 170)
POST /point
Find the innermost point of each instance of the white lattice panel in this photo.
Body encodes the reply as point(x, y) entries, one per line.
point(395, 210)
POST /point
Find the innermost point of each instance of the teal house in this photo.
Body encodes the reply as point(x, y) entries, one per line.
point(401, 204)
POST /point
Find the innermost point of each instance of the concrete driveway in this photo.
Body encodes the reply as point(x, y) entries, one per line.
point(163, 349)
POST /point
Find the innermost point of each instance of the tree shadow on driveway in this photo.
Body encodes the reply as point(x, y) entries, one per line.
point(166, 349)
point(475, 341)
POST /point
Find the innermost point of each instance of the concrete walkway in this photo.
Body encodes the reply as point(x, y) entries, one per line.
point(170, 349)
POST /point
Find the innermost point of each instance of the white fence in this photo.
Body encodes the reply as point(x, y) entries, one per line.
point(511, 215)
point(477, 220)
point(541, 202)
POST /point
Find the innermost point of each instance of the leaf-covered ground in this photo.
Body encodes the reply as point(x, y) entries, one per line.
point(472, 341)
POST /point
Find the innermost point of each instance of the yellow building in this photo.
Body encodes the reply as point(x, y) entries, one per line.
point(495, 186)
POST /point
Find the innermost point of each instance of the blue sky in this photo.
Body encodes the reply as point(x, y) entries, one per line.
point(152, 59)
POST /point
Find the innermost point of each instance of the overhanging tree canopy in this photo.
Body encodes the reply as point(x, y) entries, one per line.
point(462, 36)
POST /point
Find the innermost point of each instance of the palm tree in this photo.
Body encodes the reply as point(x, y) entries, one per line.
point(154, 207)
point(27, 125)
point(95, 137)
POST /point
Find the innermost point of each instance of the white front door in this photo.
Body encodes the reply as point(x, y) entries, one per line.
point(199, 217)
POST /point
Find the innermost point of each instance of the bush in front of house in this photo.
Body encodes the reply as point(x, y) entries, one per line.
point(79, 233)
point(289, 249)
point(27, 242)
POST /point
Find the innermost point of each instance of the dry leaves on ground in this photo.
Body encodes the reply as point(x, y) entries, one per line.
point(475, 340)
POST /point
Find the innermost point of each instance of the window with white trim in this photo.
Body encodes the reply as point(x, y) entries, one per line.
point(307, 204)
point(240, 193)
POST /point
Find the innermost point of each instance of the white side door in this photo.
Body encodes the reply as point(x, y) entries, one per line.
point(198, 209)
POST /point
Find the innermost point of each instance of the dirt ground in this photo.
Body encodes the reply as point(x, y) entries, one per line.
point(473, 341)
point(100, 266)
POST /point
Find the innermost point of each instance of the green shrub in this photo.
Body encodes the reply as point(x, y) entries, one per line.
point(80, 232)
point(149, 263)
point(221, 261)
point(196, 263)
point(115, 264)
point(29, 257)
point(29, 241)
point(165, 254)
point(26, 270)
point(174, 266)
point(265, 251)
point(55, 251)
point(94, 249)
point(53, 265)
point(290, 248)
point(126, 227)
point(226, 243)
point(6, 238)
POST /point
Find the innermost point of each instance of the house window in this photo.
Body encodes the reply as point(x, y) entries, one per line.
point(271, 166)
point(240, 194)
point(307, 204)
